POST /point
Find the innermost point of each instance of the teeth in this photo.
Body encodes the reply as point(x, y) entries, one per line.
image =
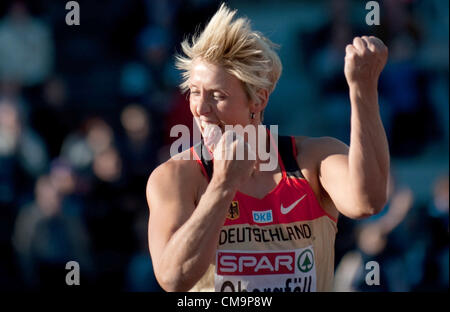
point(206, 124)
point(207, 131)
point(207, 127)
point(211, 133)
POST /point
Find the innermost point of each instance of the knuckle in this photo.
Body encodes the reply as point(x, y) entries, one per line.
point(365, 52)
point(350, 57)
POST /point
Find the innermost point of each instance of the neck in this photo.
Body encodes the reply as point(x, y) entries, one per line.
point(262, 136)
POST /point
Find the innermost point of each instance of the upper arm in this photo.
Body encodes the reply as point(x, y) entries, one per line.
point(171, 200)
point(330, 160)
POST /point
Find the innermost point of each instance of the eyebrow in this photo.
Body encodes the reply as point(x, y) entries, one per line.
point(213, 89)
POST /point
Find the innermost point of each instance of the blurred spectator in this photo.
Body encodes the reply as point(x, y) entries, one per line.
point(107, 165)
point(409, 240)
point(66, 182)
point(373, 244)
point(140, 275)
point(404, 88)
point(403, 85)
point(51, 115)
point(138, 146)
point(45, 239)
point(80, 147)
point(323, 56)
point(437, 249)
point(325, 49)
point(153, 46)
point(438, 208)
point(26, 47)
point(23, 158)
point(23, 154)
point(135, 81)
point(162, 12)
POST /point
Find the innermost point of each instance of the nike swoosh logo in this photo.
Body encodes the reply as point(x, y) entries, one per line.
point(289, 208)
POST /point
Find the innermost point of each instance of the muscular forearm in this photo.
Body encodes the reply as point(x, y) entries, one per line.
point(192, 247)
point(368, 154)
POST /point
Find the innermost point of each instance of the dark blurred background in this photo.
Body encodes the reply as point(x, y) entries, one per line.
point(85, 115)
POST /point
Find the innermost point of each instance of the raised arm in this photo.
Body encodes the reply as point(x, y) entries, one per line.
point(355, 178)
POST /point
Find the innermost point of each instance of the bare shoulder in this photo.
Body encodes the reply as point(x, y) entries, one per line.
point(311, 153)
point(178, 177)
point(319, 147)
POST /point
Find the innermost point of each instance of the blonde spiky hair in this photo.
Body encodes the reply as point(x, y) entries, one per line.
point(244, 53)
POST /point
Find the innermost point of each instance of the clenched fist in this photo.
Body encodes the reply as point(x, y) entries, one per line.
point(364, 60)
point(229, 167)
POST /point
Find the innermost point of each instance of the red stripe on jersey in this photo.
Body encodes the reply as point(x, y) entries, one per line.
point(294, 149)
point(197, 158)
point(292, 200)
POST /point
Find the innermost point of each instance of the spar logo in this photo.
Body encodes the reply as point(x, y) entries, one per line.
point(263, 263)
point(232, 263)
point(284, 270)
point(305, 261)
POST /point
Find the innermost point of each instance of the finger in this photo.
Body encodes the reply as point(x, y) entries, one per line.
point(229, 137)
point(369, 44)
point(350, 50)
point(251, 152)
point(238, 146)
point(359, 44)
point(379, 44)
point(215, 135)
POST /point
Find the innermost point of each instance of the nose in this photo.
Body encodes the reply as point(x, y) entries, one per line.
point(202, 105)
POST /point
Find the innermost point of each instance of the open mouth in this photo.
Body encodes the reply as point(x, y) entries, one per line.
point(205, 125)
point(211, 132)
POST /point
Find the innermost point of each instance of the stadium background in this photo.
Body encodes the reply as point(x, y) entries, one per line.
point(85, 114)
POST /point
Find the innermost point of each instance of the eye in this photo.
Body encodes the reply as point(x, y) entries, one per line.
point(219, 96)
point(195, 92)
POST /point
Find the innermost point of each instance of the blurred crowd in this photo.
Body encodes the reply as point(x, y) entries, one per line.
point(410, 237)
point(86, 112)
point(84, 118)
point(409, 240)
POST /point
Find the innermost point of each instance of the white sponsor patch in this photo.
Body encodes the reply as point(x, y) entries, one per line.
point(262, 216)
point(267, 271)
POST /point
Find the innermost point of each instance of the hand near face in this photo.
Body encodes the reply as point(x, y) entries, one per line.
point(229, 167)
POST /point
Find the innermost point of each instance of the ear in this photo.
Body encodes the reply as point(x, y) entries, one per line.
point(261, 103)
